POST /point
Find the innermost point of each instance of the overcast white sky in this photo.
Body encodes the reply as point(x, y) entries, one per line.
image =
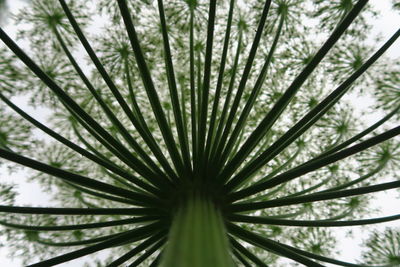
point(387, 24)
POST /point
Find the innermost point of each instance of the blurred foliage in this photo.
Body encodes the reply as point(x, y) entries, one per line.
point(301, 27)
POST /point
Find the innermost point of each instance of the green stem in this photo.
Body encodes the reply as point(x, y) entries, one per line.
point(284, 177)
point(318, 196)
point(148, 253)
point(132, 235)
point(241, 249)
point(243, 81)
point(197, 236)
point(241, 123)
point(150, 88)
point(310, 223)
point(79, 226)
point(193, 108)
point(213, 117)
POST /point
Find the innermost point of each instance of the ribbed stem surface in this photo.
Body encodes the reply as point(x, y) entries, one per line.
point(197, 237)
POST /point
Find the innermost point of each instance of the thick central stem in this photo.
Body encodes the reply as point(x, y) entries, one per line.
point(198, 237)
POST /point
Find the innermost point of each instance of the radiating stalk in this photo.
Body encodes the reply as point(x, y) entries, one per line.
point(150, 88)
point(272, 116)
point(240, 125)
point(360, 135)
point(311, 223)
point(77, 179)
point(109, 113)
point(144, 130)
point(270, 245)
point(247, 253)
point(225, 111)
point(318, 196)
point(79, 211)
point(95, 157)
point(213, 117)
point(311, 117)
point(284, 177)
point(206, 80)
point(193, 108)
point(70, 227)
point(148, 253)
point(173, 91)
point(131, 235)
point(87, 121)
point(147, 137)
point(150, 241)
point(197, 237)
point(364, 177)
point(244, 79)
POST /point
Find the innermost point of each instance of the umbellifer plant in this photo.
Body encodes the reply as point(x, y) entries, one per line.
point(197, 133)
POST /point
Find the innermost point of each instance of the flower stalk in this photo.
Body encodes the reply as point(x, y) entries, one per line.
point(197, 236)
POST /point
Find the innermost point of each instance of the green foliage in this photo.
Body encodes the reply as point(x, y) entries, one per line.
point(215, 131)
point(383, 247)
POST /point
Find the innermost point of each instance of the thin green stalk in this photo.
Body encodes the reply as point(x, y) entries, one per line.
point(132, 97)
point(240, 124)
point(80, 226)
point(289, 215)
point(183, 139)
point(364, 177)
point(326, 259)
point(88, 146)
point(104, 196)
point(306, 122)
point(305, 223)
point(162, 183)
point(361, 134)
point(145, 132)
point(313, 164)
point(311, 188)
point(213, 117)
point(99, 138)
point(88, 241)
point(193, 109)
point(139, 248)
point(206, 85)
point(148, 253)
point(269, 245)
point(239, 257)
point(268, 195)
point(318, 196)
point(243, 81)
point(123, 182)
point(150, 88)
point(262, 147)
point(110, 115)
point(184, 116)
point(280, 167)
point(97, 159)
point(342, 215)
point(236, 147)
point(113, 89)
point(78, 179)
point(247, 253)
point(198, 109)
point(273, 115)
point(71, 105)
point(132, 235)
point(218, 135)
point(80, 211)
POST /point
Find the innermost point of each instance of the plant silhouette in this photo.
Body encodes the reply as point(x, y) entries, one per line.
point(201, 133)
